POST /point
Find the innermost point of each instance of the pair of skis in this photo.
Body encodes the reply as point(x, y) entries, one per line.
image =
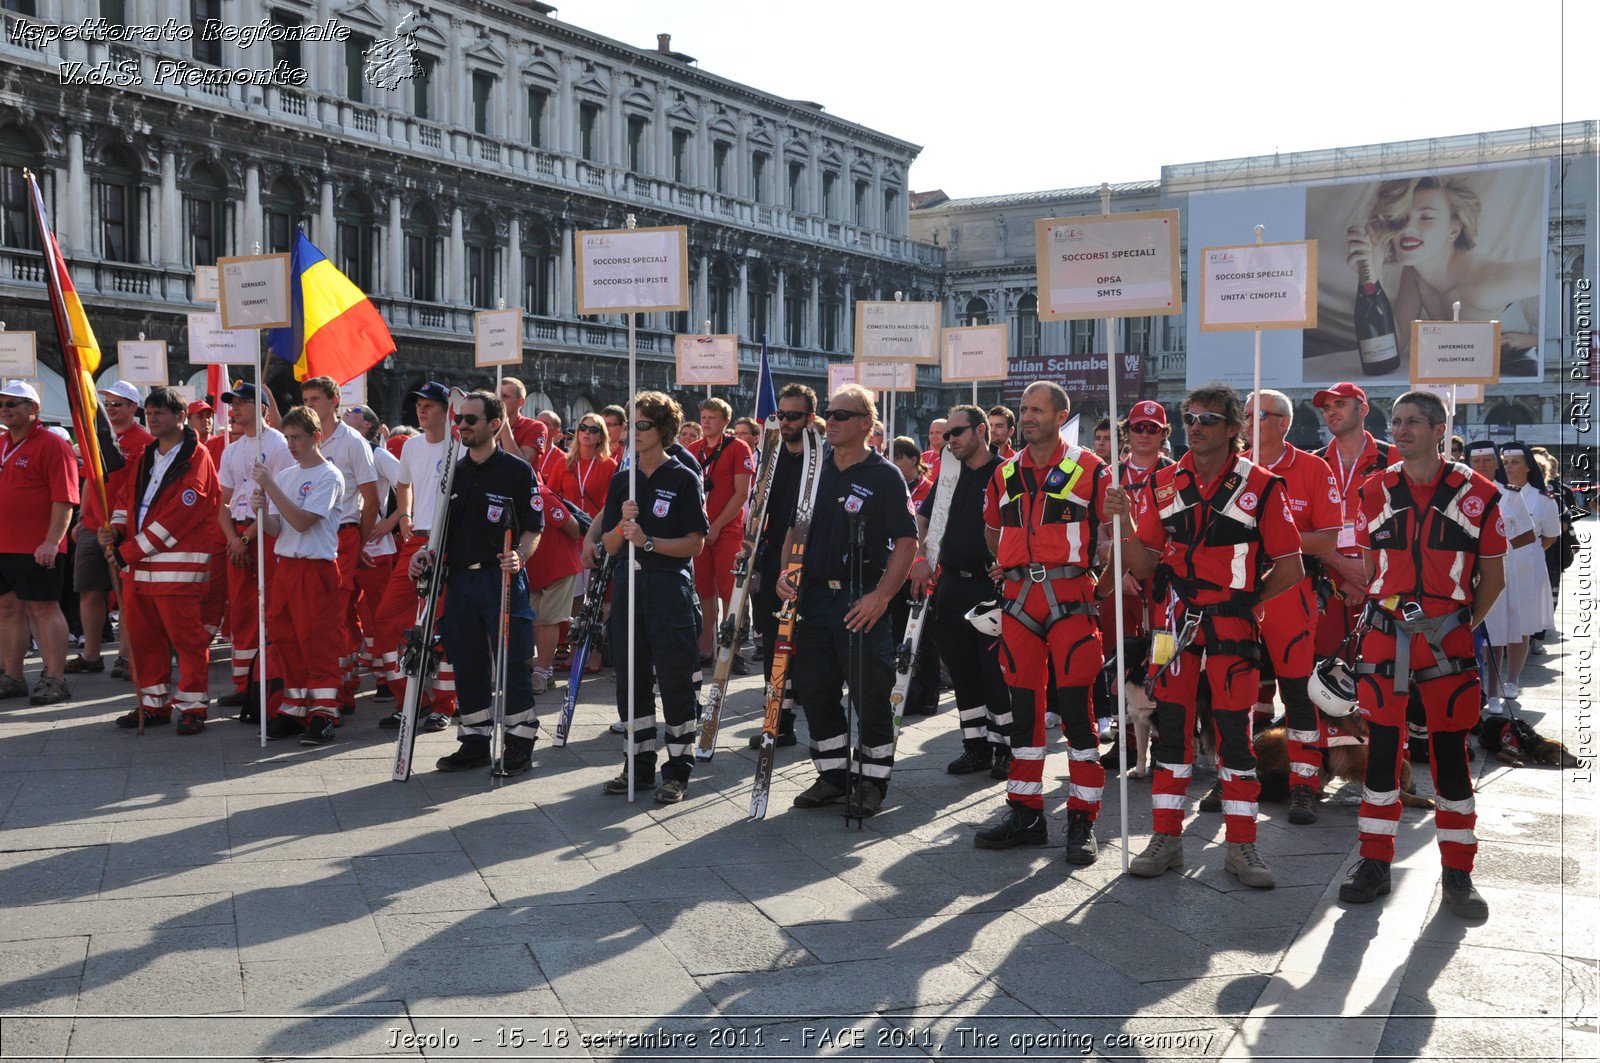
point(585, 632)
point(905, 661)
point(728, 632)
point(420, 652)
point(788, 616)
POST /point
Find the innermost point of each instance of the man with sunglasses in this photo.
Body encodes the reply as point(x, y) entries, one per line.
point(492, 493)
point(91, 574)
point(857, 489)
point(797, 405)
point(39, 482)
point(1215, 531)
point(1353, 457)
point(666, 524)
point(982, 700)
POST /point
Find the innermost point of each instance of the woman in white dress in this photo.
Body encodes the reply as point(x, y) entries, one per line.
point(1504, 625)
point(1527, 576)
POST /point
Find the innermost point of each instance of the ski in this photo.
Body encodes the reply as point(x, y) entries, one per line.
point(788, 616)
point(727, 633)
point(585, 630)
point(420, 652)
point(905, 659)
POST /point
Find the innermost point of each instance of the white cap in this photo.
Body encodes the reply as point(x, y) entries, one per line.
point(122, 390)
point(20, 389)
point(57, 430)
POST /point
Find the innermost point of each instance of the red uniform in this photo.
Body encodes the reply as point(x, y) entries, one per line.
point(1342, 613)
point(214, 605)
point(131, 443)
point(1214, 540)
point(584, 483)
point(558, 555)
point(168, 553)
point(1289, 622)
point(1048, 518)
point(1447, 524)
point(35, 474)
point(721, 461)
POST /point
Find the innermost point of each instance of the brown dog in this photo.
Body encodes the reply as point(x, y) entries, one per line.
point(1516, 743)
point(1346, 759)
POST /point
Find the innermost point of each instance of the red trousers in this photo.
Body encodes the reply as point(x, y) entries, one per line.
point(349, 627)
point(155, 625)
point(397, 611)
point(1073, 653)
point(214, 603)
point(1289, 630)
point(242, 606)
point(299, 647)
point(713, 569)
point(371, 582)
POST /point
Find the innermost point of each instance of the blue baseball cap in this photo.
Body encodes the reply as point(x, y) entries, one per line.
point(242, 390)
point(434, 391)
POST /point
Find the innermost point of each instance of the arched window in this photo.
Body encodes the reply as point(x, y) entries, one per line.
point(424, 249)
point(794, 311)
point(830, 309)
point(18, 150)
point(538, 272)
point(205, 226)
point(357, 240)
point(1028, 327)
point(116, 197)
point(480, 246)
point(758, 311)
point(283, 209)
point(976, 313)
point(721, 290)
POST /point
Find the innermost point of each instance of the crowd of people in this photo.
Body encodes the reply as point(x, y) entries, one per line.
point(1244, 563)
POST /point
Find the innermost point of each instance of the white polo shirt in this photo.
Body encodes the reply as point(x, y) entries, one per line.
point(237, 458)
point(318, 491)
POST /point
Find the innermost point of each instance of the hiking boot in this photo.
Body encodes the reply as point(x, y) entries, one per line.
point(1021, 826)
point(516, 762)
point(540, 680)
point(80, 665)
point(190, 723)
point(1082, 849)
point(782, 740)
point(49, 690)
point(740, 667)
point(468, 755)
point(970, 762)
point(319, 732)
point(1164, 851)
point(392, 721)
point(231, 701)
point(1302, 806)
point(671, 792)
point(284, 726)
point(250, 712)
point(1212, 801)
point(1244, 862)
point(1001, 768)
point(12, 686)
point(1368, 881)
point(865, 800)
point(130, 720)
point(119, 668)
point(434, 721)
point(1460, 896)
point(822, 792)
point(383, 694)
point(619, 785)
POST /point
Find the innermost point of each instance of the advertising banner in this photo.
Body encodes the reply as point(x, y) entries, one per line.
point(1083, 375)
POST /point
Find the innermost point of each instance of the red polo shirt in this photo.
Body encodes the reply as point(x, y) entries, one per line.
point(35, 473)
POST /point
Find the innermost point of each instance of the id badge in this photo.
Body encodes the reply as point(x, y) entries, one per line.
point(1163, 647)
point(1347, 536)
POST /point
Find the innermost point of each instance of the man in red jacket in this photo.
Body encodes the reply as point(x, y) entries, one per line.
point(163, 525)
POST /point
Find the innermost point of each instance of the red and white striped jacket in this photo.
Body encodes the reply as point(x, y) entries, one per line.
point(170, 553)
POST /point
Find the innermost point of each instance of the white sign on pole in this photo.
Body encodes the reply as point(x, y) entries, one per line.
point(254, 291)
point(1069, 431)
point(1466, 395)
point(212, 344)
point(186, 392)
point(897, 332)
point(840, 374)
point(886, 376)
point(497, 338)
point(1119, 265)
point(353, 392)
point(19, 355)
point(143, 362)
point(1455, 352)
point(707, 360)
point(1258, 286)
point(205, 284)
point(633, 270)
point(973, 353)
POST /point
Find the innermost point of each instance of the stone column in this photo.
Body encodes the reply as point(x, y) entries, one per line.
point(75, 223)
point(566, 305)
point(779, 315)
point(455, 262)
point(700, 304)
point(513, 291)
point(813, 302)
point(741, 307)
point(251, 230)
point(171, 234)
point(325, 222)
point(394, 281)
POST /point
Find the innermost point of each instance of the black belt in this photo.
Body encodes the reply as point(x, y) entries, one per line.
point(350, 524)
point(1038, 573)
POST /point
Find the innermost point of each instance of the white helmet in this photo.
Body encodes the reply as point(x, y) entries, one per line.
point(985, 616)
point(1332, 687)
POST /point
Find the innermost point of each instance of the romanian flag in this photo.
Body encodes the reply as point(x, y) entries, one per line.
point(337, 332)
point(80, 355)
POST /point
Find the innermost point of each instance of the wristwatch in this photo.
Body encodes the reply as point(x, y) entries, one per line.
point(247, 539)
point(649, 544)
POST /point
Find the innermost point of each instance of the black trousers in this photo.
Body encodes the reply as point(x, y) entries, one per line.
point(824, 644)
point(469, 630)
point(667, 657)
point(973, 659)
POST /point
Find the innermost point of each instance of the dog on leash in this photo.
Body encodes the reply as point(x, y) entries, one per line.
point(1514, 741)
point(1142, 709)
point(1346, 758)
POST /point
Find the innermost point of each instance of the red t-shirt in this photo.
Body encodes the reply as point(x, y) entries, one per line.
point(529, 432)
point(1446, 574)
point(35, 473)
point(558, 555)
point(721, 461)
point(132, 443)
point(585, 483)
point(919, 491)
point(1349, 480)
point(550, 466)
point(1310, 489)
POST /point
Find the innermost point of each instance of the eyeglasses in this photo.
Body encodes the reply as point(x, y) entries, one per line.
point(1264, 414)
point(118, 404)
point(842, 415)
point(956, 431)
point(1208, 420)
point(596, 429)
point(468, 419)
point(643, 426)
point(13, 404)
point(793, 415)
point(1145, 428)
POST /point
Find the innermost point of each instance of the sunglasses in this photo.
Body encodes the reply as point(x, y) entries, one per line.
point(118, 404)
point(792, 416)
point(643, 426)
point(468, 419)
point(1145, 428)
point(596, 429)
point(1208, 420)
point(956, 431)
point(838, 416)
point(14, 403)
point(1264, 414)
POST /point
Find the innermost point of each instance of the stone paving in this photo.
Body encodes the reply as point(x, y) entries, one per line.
point(178, 898)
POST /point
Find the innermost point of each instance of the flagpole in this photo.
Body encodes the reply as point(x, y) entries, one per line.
point(633, 496)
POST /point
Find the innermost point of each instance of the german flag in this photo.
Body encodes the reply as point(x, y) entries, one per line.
point(337, 332)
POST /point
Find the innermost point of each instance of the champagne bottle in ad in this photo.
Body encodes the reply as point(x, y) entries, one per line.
point(1380, 353)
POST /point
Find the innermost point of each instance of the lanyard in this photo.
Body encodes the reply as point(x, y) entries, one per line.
point(10, 448)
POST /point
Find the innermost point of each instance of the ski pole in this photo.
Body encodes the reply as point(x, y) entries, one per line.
point(497, 733)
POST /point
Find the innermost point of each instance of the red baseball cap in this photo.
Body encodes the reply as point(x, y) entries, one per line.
point(200, 407)
point(1148, 411)
point(1342, 390)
